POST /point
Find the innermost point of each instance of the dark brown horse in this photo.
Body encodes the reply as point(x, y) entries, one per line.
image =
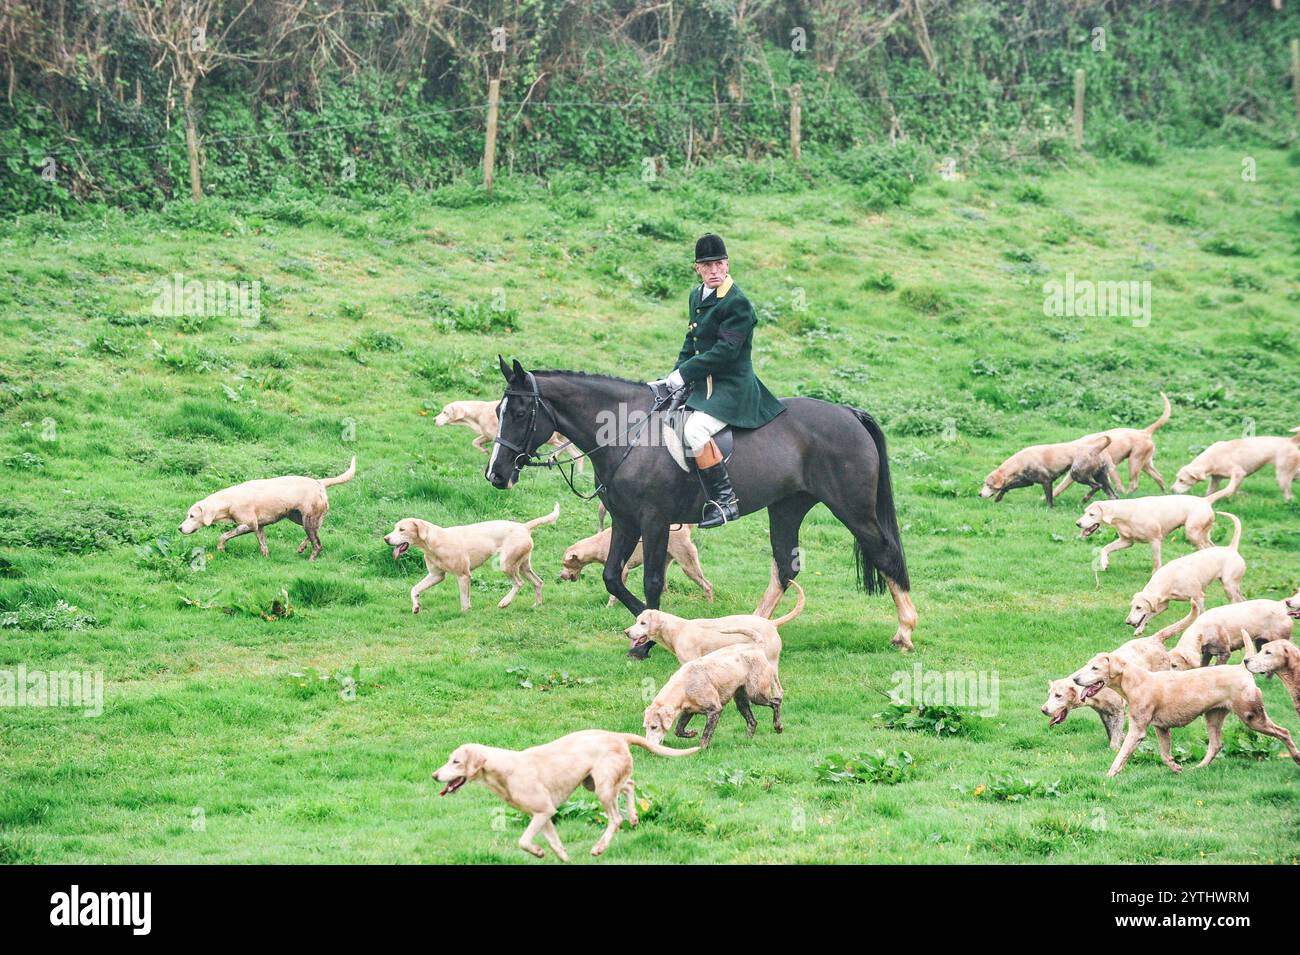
point(813, 452)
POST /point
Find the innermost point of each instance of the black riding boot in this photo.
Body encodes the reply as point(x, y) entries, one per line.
point(720, 504)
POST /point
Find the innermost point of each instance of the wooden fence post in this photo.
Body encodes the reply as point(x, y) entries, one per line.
point(490, 144)
point(1295, 75)
point(796, 118)
point(1078, 109)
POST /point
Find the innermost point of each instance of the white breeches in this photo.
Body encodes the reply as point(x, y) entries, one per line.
point(699, 428)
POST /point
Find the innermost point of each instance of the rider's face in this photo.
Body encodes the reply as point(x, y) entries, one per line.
point(712, 273)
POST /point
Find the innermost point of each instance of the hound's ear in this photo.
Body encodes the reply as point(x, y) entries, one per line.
point(208, 516)
point(1114, 662)
point(475, 759)
point(520, 374)
point(505, 369)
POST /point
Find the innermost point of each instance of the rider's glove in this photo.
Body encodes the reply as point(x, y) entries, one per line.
point(674, 382)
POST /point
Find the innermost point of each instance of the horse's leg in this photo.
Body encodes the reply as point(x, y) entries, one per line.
point(879, 552)
point(784, 519)
point(654, 556)
point(622, 542)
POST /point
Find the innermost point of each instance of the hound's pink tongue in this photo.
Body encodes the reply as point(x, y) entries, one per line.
point(1059, 717)
point(400, 549)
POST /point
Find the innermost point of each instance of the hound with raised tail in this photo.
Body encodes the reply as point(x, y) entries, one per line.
point(1134, 444)
point(1150, 520)
point(254, 505)
point(458, 550)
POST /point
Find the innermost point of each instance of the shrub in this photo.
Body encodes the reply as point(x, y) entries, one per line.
point(1029, 192)
point(1127, 141)
point(480, 318)
point(880, 282)
point(879, 767)
point(1228, 246)
point(938, 720)
point(1010, 788)
point(61, 616)
point(324, 592)
point(926, 298)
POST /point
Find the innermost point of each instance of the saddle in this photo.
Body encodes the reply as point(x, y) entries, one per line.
point(672, 423)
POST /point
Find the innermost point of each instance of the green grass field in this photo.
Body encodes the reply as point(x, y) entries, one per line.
point(220, 741)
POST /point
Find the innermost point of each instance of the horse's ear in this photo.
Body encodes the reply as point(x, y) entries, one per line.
point(505, 369)
point(520, 374)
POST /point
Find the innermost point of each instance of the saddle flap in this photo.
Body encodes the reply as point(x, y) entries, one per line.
point(672, 424)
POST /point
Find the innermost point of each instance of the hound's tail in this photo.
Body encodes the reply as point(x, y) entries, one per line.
point(1219, 494)
point(1247, 644)
point(634, 740)
point(798, 607)
point(1236, 533)
point(548, 519)
point(1159, 422)
point(1296, 432)
point(343, 478)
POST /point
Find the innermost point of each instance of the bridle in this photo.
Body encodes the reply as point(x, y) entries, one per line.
point(526, 459)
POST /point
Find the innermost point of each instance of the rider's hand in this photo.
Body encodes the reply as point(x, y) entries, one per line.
point(674, 381)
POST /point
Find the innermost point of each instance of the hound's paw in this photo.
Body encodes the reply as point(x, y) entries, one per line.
point(1175, 768)
point(533, 851)
point(415, 608)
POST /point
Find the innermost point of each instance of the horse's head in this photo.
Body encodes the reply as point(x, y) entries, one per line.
point(525, 423)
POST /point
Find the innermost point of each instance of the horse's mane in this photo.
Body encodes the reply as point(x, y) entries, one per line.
point(587, 374)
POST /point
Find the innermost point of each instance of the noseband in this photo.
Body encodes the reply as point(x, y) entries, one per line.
point(523, 457)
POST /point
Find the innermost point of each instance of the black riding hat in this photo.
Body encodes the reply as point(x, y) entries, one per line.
point(709, 248)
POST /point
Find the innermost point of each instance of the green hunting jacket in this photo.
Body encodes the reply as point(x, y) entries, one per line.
point(715, 357)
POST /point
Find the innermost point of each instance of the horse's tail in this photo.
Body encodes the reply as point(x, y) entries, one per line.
point(888, 561)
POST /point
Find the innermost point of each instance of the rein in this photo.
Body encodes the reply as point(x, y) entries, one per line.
point(525, 458)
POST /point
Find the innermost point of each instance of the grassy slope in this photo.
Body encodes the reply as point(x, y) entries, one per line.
point(201, 710)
